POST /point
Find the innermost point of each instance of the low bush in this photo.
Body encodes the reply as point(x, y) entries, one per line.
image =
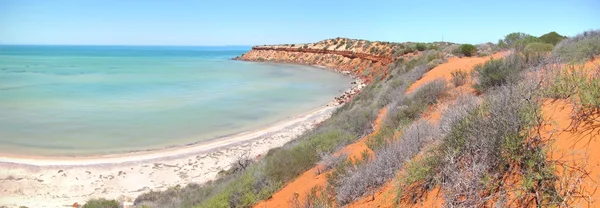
point(102, 203)
point(467, 49)
point(563, 82)
point(538, 48)
point(459, 77)
point(387, 162)
point(497, 72)
point(316, 198)
point(421, 175)
point(581, 48)
point(536, 53)
point(421, 46)
point(390, 157)
point(582, 87)
point(503, 119)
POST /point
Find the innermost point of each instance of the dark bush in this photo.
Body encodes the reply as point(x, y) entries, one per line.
point(552, 38)
point(102, 203)
point(467, 49)
point(497, 72)
point(421, 46)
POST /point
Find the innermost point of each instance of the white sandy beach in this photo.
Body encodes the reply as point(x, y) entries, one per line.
point(60, 182)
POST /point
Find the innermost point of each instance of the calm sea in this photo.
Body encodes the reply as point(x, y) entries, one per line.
point(88, 100)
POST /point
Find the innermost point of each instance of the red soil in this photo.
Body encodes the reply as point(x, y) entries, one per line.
point(302, 185)
point(454, 64)
point(386, 195)
point(575, 150)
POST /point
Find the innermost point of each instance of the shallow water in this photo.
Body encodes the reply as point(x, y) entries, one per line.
point(88, 100)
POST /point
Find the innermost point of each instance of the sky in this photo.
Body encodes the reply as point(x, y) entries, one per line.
point(228, 22)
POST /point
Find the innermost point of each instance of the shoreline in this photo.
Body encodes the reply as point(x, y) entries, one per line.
point(166, 152)
point(36, 182)
point(54, 181)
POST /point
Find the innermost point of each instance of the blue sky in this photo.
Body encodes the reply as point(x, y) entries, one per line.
point(133, 22)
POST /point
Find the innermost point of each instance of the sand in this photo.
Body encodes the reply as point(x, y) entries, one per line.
point(59, 182)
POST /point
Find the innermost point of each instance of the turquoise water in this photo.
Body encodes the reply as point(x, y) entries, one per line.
point(88, 100)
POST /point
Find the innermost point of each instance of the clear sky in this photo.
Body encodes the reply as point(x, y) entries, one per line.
point(251, 22)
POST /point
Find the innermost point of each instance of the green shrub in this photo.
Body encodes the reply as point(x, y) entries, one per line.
point(467, 49)
point(552, 38)
point(580, 48)
point(517, 40)
point(536, 52)
point(497, 72)
point(459, 77)
point(564, 83)
point(421, 46)
point(538, 47)
point(102, 203)
point(520, 44)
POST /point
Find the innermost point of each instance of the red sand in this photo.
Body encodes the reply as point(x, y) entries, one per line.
point(454, 64)
point(386, 195)
point(576, 149)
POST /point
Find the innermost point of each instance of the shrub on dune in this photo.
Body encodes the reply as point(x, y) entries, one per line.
point(497, 72)
point(467, 49)
point(581, 48)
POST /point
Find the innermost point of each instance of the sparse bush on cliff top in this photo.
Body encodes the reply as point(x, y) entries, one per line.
point(580, 48)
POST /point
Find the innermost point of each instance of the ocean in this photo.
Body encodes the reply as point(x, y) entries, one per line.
point(93, 100)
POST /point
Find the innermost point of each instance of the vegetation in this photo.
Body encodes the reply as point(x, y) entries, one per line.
point(497, 72)
point(102, 203)
point(578, 49)
point(580, 86)
point(536, 52)
point(459, 77)
point(467, 49)
point(552, 38)
point(421, 46)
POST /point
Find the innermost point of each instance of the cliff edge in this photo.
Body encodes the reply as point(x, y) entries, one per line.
point(360, 58)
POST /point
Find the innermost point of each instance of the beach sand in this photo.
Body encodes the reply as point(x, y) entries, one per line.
point(60, 182)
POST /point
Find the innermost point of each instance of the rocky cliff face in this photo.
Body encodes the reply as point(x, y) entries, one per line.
point(363, 59)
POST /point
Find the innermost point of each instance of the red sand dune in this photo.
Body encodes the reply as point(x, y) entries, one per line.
point(386, 195)
point(454, 64)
